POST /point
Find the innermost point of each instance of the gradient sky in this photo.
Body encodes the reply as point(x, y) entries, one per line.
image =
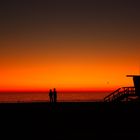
point(68, 44)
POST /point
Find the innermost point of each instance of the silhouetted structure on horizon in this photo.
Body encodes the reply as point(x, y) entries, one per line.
point(126, 93)
point(136, 80)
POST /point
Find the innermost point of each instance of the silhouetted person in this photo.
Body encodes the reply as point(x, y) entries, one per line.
point(54, 95)
point(51, 96)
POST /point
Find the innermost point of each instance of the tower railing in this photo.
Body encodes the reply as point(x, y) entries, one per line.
point(120, 92)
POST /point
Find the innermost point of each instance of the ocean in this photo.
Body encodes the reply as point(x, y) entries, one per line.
point(44, 96)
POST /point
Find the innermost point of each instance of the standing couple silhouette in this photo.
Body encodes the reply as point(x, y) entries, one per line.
point(53, 96)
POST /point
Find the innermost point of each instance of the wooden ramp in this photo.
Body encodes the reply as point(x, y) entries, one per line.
point(121, 94)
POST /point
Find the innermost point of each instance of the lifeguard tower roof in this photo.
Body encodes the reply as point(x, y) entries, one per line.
point(136, 80)
point(132, 75)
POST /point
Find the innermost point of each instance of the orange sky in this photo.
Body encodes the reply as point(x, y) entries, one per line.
point(68, 70)
point(68, 46)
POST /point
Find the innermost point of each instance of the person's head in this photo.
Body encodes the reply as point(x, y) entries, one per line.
point(54, 89)
point(50, 90)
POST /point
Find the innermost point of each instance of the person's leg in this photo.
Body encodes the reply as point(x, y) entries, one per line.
point(52, 99)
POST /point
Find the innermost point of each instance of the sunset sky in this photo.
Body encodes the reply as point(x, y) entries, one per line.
point(68, 44)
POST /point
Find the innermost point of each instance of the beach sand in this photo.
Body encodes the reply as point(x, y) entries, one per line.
point(70, 120)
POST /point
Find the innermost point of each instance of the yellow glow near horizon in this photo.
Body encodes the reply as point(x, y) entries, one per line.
point(68, 64)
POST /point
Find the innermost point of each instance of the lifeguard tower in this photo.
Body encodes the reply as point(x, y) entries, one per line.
point(126, 93)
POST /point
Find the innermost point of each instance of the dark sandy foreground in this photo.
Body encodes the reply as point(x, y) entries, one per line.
point(70, 120)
